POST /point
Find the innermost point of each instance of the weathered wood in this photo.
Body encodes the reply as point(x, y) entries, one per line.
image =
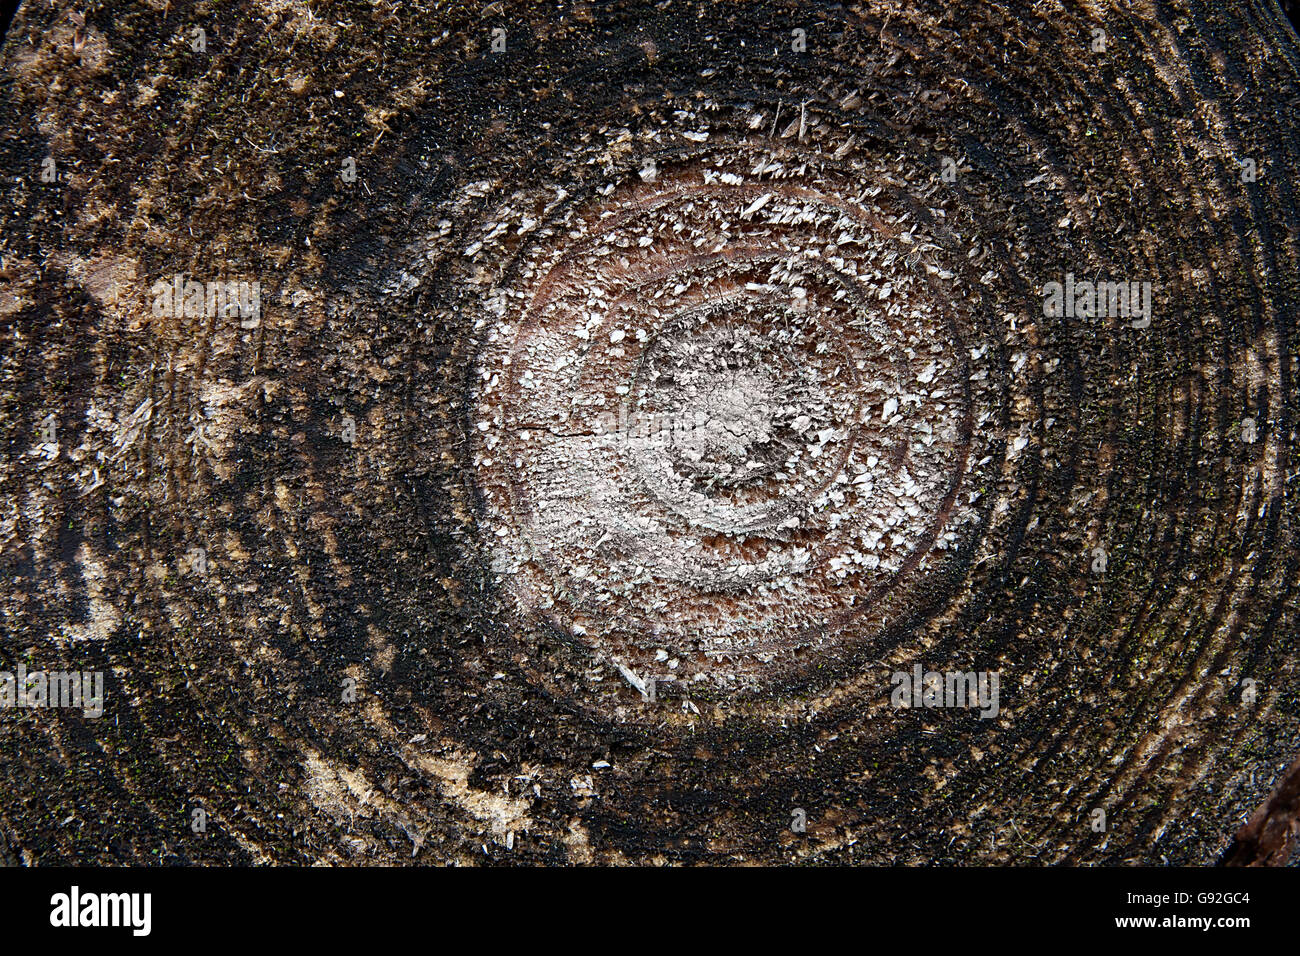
point(373, 568)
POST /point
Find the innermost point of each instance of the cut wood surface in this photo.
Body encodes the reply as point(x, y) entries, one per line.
point(650, 433)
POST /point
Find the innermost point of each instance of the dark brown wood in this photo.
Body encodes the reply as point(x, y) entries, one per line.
point(333, 589)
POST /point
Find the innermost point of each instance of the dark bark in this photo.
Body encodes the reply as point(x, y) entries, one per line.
point(1269, 837)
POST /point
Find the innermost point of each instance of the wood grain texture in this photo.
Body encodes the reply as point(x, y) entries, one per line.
point(1102, 512)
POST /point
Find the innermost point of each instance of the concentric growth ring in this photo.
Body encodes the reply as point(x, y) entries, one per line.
point(698, 347)
point(725, 416)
